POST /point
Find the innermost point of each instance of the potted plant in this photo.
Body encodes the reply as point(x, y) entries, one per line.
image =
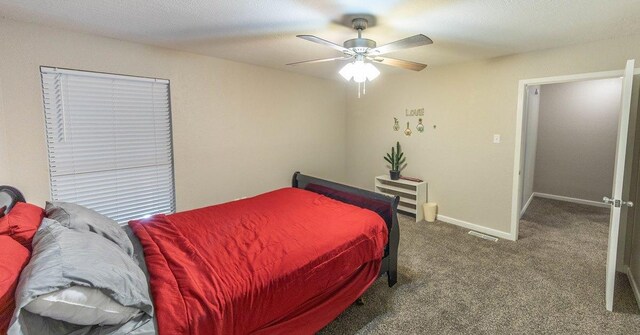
point(396, 159)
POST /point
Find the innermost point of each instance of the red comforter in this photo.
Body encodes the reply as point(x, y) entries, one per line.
point(284, 262)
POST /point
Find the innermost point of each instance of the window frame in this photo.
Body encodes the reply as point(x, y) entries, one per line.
point(48, 69)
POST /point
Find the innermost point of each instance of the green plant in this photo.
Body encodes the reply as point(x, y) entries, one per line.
point(396, 158)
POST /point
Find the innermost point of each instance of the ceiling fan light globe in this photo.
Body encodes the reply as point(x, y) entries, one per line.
point(359, 71)
point(358, 66)
point(347, 71)
point(359, 77)
point(371, 71)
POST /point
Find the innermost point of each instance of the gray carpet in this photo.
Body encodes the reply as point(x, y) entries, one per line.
point(550, 281)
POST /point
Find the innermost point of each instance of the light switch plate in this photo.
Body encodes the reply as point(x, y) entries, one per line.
point(496, 138)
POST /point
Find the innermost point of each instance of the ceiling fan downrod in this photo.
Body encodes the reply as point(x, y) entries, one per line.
point(359, 24)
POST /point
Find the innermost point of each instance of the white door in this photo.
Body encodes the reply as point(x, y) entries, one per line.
point(616, 201)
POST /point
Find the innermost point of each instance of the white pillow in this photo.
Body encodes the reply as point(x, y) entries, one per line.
point(81, 306)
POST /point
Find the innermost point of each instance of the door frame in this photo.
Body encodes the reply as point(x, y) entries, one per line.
point(516, 203)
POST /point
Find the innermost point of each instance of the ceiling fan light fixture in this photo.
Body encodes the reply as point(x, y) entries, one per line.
point(347, 71)
point(359, 71)
point(371, 71)
point(359, 78)
point(360, 49)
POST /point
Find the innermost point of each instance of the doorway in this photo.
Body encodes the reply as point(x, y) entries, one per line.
point(570, 132)
point(620, 175)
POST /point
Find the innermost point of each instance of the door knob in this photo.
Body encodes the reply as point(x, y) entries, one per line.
point(617, 203)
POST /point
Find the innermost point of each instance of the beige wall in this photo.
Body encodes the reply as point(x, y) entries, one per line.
point(577, 133)
point(238, 129)
point(4, 158)
point(241, 129)
point(469, 176)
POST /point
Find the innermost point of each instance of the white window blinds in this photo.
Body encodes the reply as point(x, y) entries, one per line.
point(109, 142)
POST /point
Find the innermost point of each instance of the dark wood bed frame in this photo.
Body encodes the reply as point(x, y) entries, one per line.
point(9, 196)
point(390, 259)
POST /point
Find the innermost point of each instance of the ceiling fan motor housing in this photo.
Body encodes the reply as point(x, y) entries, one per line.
point(360, 45)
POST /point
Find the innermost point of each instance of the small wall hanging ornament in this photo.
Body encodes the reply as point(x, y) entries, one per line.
point(407, 131)
point(396, 124)
point(420, 126)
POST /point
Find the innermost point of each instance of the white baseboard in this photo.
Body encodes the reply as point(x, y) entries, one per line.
point(569, 199)
point(478, 228)
point(524, 208)
point(634, 286)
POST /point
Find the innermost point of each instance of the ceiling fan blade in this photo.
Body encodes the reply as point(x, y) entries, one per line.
point(405, 64)
point(321, 41)
point(405, 43)
point(322, 60)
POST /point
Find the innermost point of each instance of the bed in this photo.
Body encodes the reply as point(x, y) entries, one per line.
point(286, 261)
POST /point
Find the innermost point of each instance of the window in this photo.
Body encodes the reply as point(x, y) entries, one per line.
point(109, 142)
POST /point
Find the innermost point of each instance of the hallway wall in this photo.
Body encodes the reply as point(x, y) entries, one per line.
point(577, 130)
point(530, 138)
point(631, 230)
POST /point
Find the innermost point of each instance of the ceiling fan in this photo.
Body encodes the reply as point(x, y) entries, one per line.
point(363, 51)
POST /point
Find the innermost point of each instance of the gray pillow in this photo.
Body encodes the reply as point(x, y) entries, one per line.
point(80, 218)
point(63, 257)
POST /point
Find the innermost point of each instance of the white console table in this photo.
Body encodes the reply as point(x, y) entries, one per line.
point(412, 194)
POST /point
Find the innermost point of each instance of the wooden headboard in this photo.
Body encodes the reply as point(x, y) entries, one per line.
point(8, 198)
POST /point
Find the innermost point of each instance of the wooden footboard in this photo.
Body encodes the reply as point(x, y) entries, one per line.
point(385, 206)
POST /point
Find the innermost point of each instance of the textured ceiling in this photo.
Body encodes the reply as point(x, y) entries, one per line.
point(263, 32)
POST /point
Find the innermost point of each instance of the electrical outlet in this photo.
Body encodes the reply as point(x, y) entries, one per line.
point(496, 138)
